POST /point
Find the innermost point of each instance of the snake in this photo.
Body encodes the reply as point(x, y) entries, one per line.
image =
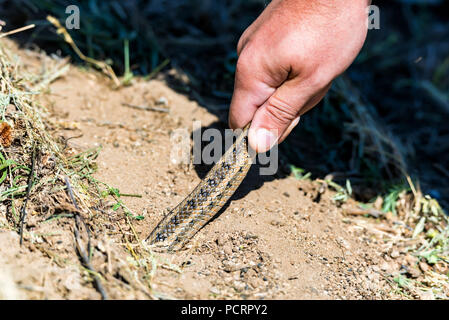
point(181, 224)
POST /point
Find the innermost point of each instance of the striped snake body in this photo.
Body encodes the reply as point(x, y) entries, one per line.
point(209, 196)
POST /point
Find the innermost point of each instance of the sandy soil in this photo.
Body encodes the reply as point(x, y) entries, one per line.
point(275, 240)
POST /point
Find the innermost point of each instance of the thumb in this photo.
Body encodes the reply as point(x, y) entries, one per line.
point(249, 94)
point(276, 118)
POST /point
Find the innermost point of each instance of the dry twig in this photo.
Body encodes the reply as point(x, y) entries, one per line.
point(30, 184)
point(85, 259)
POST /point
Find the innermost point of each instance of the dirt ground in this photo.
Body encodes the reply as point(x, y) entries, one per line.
point(276, 240)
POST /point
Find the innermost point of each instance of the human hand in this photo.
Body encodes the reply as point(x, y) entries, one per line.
point(287, 61)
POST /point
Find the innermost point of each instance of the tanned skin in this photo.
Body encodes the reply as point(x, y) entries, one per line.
point(288, 58)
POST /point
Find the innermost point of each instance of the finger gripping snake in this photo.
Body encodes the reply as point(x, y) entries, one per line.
point(209, 196)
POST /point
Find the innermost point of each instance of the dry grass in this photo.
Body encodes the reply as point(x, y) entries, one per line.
point(60, 183)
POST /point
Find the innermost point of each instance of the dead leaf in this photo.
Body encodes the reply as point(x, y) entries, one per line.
point(5, 134)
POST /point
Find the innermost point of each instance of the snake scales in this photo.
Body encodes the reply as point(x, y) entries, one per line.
point(209, 196)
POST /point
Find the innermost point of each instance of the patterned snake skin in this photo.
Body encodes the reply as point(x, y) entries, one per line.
point(211, 194)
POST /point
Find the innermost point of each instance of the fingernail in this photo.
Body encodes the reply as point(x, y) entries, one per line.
point(293, 124)
point(265, 140)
